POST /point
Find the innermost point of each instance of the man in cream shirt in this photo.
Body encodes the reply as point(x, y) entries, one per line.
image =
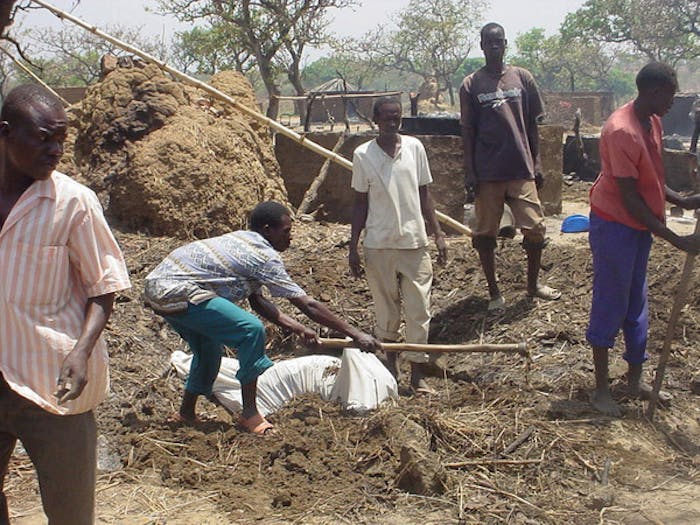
point(393, 204)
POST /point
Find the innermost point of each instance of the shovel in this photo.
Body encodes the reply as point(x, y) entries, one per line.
point(678, 304)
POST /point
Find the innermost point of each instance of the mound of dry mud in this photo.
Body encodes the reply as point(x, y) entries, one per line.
point(166, 159)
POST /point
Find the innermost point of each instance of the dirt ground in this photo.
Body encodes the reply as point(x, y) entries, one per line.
point(442, 458)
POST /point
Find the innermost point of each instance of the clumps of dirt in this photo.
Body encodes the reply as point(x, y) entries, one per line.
point(167, 159)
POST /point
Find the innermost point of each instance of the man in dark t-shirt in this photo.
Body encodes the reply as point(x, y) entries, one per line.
point(500, 106)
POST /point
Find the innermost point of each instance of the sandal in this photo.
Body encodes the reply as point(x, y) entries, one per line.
point(256, 425)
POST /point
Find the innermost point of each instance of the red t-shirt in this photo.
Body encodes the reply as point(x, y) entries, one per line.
point(627, 150)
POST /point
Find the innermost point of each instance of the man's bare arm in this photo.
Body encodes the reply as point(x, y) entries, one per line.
point(427, 208)
point(360, 208)
point(638, 209)
point(73, 375)
point(320, 313)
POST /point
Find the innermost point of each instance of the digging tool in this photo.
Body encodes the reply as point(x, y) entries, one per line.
point(514, 348)
point(223, 97)
point(678, 304)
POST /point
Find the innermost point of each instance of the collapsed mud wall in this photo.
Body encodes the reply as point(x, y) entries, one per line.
point(551, 155)
point(166, 159)
point(679, 165)
point(335, 197)
point(334, 200)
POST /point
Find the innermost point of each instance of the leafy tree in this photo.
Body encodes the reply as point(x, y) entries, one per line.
point(205, 51)
point(274, 32)
point(568, 64)
point(432, 38)
point(665, 30)
point(468, 66)
point(348, 60)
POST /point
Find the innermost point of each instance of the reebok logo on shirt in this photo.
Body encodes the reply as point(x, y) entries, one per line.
point(498, 98)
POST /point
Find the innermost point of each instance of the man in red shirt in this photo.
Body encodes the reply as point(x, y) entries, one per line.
point(627, 207)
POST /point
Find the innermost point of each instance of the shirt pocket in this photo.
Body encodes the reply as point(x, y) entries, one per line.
point(38, 275)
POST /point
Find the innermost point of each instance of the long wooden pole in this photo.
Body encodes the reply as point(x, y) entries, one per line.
point(678, 304)
point(312, 190)
point(514, 348)
point(33, 75)
point(282, 130)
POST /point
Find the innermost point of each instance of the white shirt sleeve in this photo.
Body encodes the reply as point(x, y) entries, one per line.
point(422, 166)
point(359, 174)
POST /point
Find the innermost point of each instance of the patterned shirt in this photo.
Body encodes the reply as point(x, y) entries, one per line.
point(56, 251)
point(233, 266)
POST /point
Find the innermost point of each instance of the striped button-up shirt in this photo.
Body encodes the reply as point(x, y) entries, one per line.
point(56, 251)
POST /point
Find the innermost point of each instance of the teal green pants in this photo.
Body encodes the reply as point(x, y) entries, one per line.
point(207, 327)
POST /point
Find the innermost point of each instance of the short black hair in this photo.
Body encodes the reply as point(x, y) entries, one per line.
point(15, 104)
point(382, 101)
point(656, 74)
point(268, 213)
point(490, 27)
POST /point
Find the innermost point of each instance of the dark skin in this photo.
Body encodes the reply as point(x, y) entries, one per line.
point(654, 101)
point(280, 237)
point(493, 44)
point(388, 120)
point(31, 149)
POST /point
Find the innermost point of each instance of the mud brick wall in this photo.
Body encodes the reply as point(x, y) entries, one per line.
point(680, 169)
point(551, 155)
point(679, 165)
point(300, 166)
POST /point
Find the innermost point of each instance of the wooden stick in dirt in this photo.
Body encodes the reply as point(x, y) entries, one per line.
point(34, 76)
point(678, 304)
point(223, 97)
point(458, 464)
point(519, 440)
point(312, 191)
point(514, 348)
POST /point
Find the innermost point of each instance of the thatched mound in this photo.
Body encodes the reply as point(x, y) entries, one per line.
point(166, 159)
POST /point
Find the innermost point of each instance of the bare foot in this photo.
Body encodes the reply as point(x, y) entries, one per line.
point(184, 419)
point(545, 292)
point(603, 402)
point(497, 303)
point(643, 391)
point(422, 387)
point(392, 364)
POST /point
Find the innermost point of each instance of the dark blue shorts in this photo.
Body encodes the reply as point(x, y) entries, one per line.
point(620, 257)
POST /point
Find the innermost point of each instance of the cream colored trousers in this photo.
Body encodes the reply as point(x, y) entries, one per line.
point(396, 277)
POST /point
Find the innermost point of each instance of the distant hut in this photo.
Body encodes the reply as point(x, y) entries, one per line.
point(324, 109)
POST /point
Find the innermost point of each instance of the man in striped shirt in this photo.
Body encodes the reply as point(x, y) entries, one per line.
point(59, 270)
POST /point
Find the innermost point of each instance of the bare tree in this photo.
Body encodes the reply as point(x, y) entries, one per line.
point(432, 38)
point(71, 56)
point(268, 29)
point(309, 29)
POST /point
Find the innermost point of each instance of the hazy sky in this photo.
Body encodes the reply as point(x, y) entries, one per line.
point(516, 16)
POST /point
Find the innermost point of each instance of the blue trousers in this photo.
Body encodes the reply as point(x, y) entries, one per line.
point(620, 257)
point(216, 322)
